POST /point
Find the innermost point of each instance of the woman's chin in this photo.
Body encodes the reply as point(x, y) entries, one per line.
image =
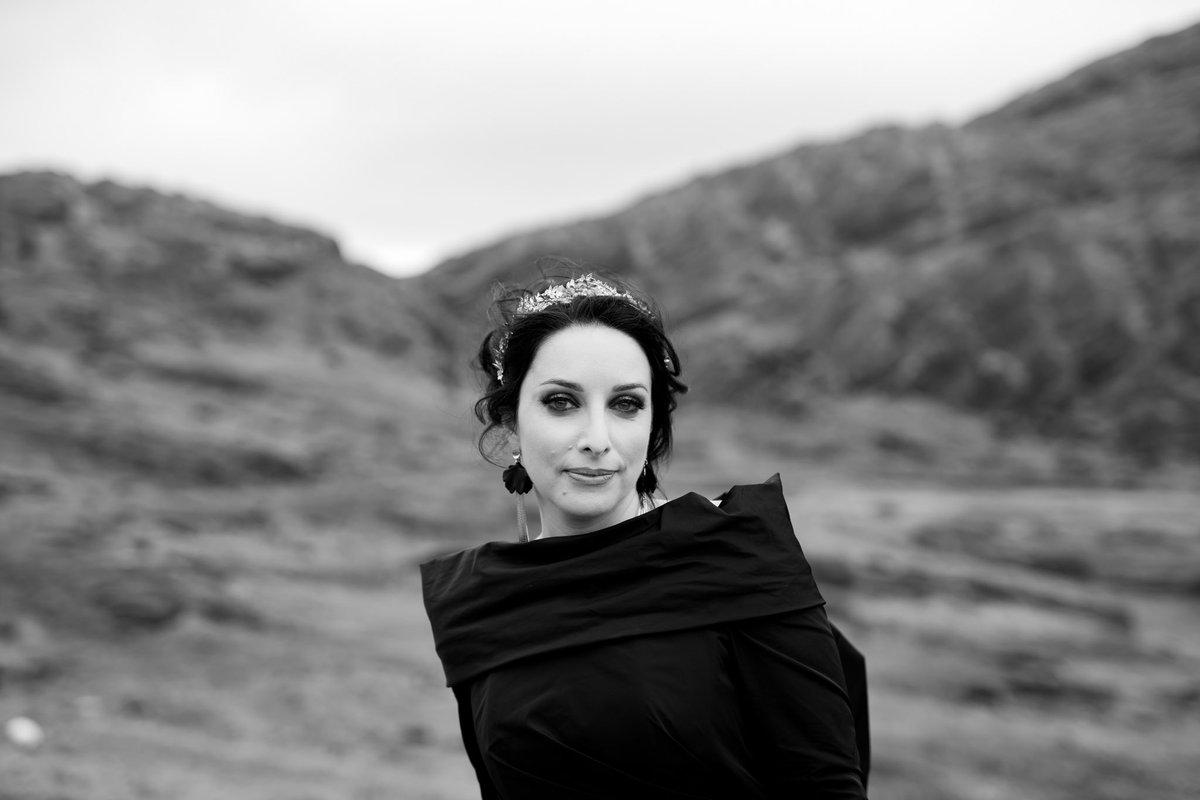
point(592, 507)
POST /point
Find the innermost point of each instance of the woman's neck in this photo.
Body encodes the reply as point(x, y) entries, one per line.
point(555, 524)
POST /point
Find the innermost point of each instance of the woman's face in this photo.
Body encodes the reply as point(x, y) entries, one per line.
point(583, 427)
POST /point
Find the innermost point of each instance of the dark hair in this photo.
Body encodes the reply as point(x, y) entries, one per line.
point(514, 340)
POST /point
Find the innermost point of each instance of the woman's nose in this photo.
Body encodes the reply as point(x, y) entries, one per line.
point(594, 437)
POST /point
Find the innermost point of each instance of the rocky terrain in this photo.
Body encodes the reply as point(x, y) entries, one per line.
point(969, 351)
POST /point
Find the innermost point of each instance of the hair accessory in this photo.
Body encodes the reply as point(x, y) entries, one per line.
point(584, 286)
point(560, 294)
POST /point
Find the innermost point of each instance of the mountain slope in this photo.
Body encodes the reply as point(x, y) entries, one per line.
point(1039, 263)
point(102, 267)
point(153, 346)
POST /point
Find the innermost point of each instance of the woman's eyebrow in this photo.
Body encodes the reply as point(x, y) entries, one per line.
point(575, 387)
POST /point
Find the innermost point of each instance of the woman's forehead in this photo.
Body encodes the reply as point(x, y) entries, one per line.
point(587, 354)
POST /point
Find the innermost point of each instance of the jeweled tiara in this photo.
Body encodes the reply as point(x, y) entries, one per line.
point(560, 294)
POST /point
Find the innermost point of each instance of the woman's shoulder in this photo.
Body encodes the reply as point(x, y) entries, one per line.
point(771, 488)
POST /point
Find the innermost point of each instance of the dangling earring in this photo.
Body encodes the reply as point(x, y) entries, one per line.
point(517, 481)
point(647, 482)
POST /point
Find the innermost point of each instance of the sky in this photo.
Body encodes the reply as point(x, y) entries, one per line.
point(412, 131)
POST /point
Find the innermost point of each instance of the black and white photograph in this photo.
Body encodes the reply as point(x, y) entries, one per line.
point(571, 400)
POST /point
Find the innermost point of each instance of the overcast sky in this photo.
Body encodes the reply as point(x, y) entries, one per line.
point(411, 131)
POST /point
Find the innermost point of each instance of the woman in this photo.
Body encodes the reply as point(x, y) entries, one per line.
point(634, 648)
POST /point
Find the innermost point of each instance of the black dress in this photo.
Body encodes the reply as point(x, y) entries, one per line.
point(683, 653)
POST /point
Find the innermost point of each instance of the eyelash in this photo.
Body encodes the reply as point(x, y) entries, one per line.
point(627, 404)
point(634, 404)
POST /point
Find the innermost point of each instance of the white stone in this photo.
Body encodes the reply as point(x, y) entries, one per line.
point(24, 732)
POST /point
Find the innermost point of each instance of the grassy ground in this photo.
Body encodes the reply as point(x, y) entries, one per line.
point(212, 591)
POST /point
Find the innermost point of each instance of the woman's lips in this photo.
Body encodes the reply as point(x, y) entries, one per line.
point(591, 476)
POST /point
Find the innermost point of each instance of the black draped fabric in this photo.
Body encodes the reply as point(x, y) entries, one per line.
point(683, 653)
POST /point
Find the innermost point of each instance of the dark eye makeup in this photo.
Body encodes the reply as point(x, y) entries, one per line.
point(629, 404)
point(625, 404)
point(559, 401)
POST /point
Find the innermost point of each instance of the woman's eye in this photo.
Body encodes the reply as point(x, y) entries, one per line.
point(559, 402)
point(628, 405)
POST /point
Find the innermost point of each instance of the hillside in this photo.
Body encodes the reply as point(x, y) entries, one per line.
point(1039, 264)
point(213, 431)
point(104, 269)
point(169, 368)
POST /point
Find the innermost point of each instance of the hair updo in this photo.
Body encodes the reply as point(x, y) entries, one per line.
point(510, 346)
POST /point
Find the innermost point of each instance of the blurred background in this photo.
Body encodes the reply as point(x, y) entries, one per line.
point(936, 263)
